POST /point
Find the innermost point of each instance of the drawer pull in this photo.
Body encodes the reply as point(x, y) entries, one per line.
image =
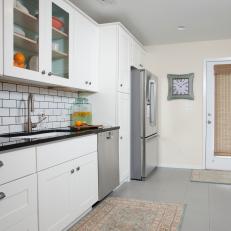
point(2, 195)
point(72, 171)
point(78, 168)
point(1, 164)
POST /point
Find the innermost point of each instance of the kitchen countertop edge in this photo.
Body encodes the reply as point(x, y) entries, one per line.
point(32, 142)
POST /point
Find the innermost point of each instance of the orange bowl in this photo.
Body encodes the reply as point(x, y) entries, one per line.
point(57, 23)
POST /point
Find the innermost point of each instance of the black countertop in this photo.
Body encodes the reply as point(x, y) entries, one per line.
point(9, 143)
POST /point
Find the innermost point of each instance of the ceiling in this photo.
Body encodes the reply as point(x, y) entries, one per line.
point(156, 21)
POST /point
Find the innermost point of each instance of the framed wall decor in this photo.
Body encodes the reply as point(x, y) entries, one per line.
point(180, 86)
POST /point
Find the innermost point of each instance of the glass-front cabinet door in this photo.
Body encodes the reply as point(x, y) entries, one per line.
point(61, 41)
point(22, 38)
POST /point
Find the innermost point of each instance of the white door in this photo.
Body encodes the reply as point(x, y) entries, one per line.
point(86, 53)
point(124, 61)
point(84, 191)
point(59, 42)
point(124, 134)
point(18, 205)
point(218, 114)
point(54, 197)
point(22, 39)
point(1, 38)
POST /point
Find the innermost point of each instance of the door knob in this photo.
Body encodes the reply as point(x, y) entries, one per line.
point(1, 164)
point(209, 122)
point(2, 195)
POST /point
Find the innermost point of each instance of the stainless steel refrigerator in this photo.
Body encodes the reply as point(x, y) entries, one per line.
point(144, 131)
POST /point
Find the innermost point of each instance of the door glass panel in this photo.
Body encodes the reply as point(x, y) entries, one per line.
point(222, 123)
point(26, 34)
point(60, 42)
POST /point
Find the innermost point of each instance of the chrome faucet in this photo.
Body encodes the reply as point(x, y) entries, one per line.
point(30, 108)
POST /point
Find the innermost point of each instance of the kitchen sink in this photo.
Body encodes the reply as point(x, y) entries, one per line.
point(37, 135)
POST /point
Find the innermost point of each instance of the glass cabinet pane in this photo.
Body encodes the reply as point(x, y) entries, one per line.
point(60, 42)
point(26, 34)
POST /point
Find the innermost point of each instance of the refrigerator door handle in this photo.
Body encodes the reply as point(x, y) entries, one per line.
point(152, 136)
point(152, 102)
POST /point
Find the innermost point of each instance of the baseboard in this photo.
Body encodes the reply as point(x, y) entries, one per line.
point(180, 166)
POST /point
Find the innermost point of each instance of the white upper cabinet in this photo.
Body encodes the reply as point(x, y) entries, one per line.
point(137, 55)
point(38, 41)
point(1, 38)
point(125, 43)
point(59, 42)
point(86, 53)
point(22, 39)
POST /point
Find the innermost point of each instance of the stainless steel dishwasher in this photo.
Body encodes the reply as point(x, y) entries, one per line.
point(108, 162)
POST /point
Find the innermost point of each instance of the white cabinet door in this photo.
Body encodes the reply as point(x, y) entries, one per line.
point(86, 53)
point(124, 142)
point(18, 205)
point(137, 55)
point(124, 61)
point(59, 42)
point(1, 38)
point(54, 196)
point(84, 184)
point(22, 40)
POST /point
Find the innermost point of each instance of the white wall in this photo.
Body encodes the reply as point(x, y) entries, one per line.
point(181, 121)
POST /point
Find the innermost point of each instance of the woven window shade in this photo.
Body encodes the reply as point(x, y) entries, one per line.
point(222, 139)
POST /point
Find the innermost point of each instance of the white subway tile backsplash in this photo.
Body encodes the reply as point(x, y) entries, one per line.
point(54, 104)
point(4, 94)
point(16, 95)
point(22, 88)
point(34, 90)
point(4, 112)
point(8, 87)
point(9, 103)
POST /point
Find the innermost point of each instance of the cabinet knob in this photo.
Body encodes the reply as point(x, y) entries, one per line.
point(43, 72)
point(89, 83)
point(72, 171)
point(86, 82)
point(209, 122)
point(121, 85)
point(1, 164)
point(2, 195)
point(141, 65)
point(121, 137)
point(50, 73)
point(78, 168)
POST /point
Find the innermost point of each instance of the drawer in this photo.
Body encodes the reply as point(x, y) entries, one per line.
point(59, 152)
point(17, 164)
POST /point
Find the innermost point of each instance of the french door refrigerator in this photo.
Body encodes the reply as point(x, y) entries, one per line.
point(144, 132)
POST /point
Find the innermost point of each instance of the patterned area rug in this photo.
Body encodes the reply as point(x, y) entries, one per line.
point(211, 176)
point(118, 214)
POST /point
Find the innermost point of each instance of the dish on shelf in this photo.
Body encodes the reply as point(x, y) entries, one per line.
point(57, 23)
point(21, 7)
point(19, 30)
point(34, 63)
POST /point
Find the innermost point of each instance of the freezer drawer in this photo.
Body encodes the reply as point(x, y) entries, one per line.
point(108, 162)
point(150, 154)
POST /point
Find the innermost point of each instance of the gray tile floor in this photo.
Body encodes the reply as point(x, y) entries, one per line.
point(208, 205)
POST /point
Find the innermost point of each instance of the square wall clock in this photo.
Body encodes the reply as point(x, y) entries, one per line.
point(180, 86)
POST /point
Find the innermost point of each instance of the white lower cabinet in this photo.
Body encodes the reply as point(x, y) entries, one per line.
point(84, 191)
point(66, 191)
point(18, 205)
point(54, 197)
